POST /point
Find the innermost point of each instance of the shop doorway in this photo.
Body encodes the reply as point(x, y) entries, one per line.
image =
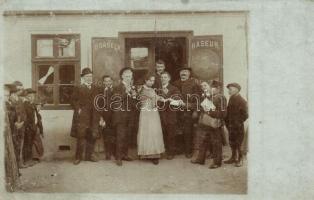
point(141, 54)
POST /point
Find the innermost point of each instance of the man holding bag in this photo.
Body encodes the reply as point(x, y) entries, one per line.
point(211, 121)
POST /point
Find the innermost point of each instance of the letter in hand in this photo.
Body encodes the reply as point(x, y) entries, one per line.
point(102, 123)
point(19, 125)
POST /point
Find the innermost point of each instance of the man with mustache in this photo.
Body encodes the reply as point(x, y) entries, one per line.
point(86, 119)
point(191, 93)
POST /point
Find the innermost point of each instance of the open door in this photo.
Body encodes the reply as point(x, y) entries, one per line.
point(207, 57)
point(106, 57)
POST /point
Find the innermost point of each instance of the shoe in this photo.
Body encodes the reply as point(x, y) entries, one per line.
point(239, 163)
point(119, 162)
point(210, 156)
point(127, 158)
point(197, 161)
point(214, 166)
point(170, 157)
point(30, 163)
point(22, 165)
point(155, 161)
point(108, 157)
point(93, 158)
point(76, 162)
point(188, 155)
point(230, 161)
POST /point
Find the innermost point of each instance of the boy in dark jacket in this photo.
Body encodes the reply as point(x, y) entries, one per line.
point(237, 113)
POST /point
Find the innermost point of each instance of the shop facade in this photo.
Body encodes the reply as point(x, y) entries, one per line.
point(48, 49)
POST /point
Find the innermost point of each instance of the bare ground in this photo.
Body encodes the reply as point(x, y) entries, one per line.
point(174, 176)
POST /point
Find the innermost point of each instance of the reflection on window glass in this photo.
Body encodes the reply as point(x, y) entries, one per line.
point(44, 48)
point(66, 74)
point(46, 74)
point(65, 94)
point(66, 47)
point(45, 94)
point(139, 57)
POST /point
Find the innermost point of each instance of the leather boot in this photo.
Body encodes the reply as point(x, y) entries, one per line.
point(200, 157)
point(232, 159)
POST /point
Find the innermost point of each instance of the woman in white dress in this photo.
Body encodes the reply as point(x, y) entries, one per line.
point(149, 138)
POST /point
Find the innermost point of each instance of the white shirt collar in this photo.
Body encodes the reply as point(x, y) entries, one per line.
point(164, 86)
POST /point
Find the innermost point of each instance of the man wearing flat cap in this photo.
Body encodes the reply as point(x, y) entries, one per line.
point(237, 113)
point(191, 92)
point(85, 122)
point(123, 107)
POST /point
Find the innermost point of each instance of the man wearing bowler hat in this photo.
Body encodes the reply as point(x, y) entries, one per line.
point(123, 107)
point(191, 92)
point(237, 113)
point(86, 119)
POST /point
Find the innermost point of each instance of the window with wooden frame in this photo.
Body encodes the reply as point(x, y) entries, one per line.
point(56, 68)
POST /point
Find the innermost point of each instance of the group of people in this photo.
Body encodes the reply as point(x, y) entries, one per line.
point(23, 131)
point(195, 109)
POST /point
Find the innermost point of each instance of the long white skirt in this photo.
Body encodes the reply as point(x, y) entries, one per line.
point(150, 143)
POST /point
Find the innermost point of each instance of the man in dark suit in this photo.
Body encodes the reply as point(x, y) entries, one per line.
point(191, 92)
point(30, 126)
point(108, 131)
point(160, 68)
point(168, 113)
point(123, 106)
point(237, 113)
point(86, 118)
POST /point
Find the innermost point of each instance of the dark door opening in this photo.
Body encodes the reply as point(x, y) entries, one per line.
point(173, 52)
point(142, 54)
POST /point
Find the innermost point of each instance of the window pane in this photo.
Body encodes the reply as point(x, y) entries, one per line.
point(66, 74)
point(65, 94)
point(45, 74)
point(139, 57)
point(66, 47)
point(45, 94)
point(44, 48)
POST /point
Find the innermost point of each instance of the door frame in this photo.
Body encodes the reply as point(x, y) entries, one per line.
point(188, 34)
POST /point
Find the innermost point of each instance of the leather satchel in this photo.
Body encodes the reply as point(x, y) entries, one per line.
point(207, 120)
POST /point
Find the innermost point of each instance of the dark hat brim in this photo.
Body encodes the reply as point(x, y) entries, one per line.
point(235, 85)
point(125, 69)
point(30, 91)
point(10, 87)
point(185, 68)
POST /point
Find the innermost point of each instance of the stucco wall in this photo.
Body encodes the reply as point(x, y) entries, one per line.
point(17, 55)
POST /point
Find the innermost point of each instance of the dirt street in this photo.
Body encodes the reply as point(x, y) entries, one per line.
point(174, 176)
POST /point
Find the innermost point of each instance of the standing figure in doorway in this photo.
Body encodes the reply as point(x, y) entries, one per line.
point(160, 68)
point(86, 119)
point(237, 113)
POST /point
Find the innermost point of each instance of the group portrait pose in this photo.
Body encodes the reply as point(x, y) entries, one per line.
point(162, 117)
point(185, 116)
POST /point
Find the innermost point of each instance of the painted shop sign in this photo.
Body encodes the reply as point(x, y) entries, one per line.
point(205, 43)
point(108, 44)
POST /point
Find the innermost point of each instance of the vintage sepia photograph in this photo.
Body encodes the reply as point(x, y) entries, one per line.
point(129, 101)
